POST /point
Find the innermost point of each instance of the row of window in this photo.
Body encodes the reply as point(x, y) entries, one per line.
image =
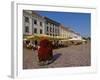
point(35, 21)
point(52, 34)
point(51, 29)
point(35, 30)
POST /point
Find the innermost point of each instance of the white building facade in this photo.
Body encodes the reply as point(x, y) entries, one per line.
point(51, 27)
point(32, 23)
point(64, 32)
point(35, 24)
point(75, 36)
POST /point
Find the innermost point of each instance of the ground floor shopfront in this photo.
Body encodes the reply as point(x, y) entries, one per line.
point(57, 41)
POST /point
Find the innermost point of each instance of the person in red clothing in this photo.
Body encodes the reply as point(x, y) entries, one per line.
point(44, 52)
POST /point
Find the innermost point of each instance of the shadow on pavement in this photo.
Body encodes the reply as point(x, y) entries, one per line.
point(55, 57)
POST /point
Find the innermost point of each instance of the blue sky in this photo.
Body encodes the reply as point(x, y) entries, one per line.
point(79, 22)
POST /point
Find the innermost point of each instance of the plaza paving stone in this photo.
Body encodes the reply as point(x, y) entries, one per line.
point(72, 56)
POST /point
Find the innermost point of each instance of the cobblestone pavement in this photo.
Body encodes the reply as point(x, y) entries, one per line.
point(75, 55)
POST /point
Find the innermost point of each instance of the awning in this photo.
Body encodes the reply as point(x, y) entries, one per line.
point(43, 36)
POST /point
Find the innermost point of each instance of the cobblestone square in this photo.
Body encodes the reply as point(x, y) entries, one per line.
point(71, 56)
